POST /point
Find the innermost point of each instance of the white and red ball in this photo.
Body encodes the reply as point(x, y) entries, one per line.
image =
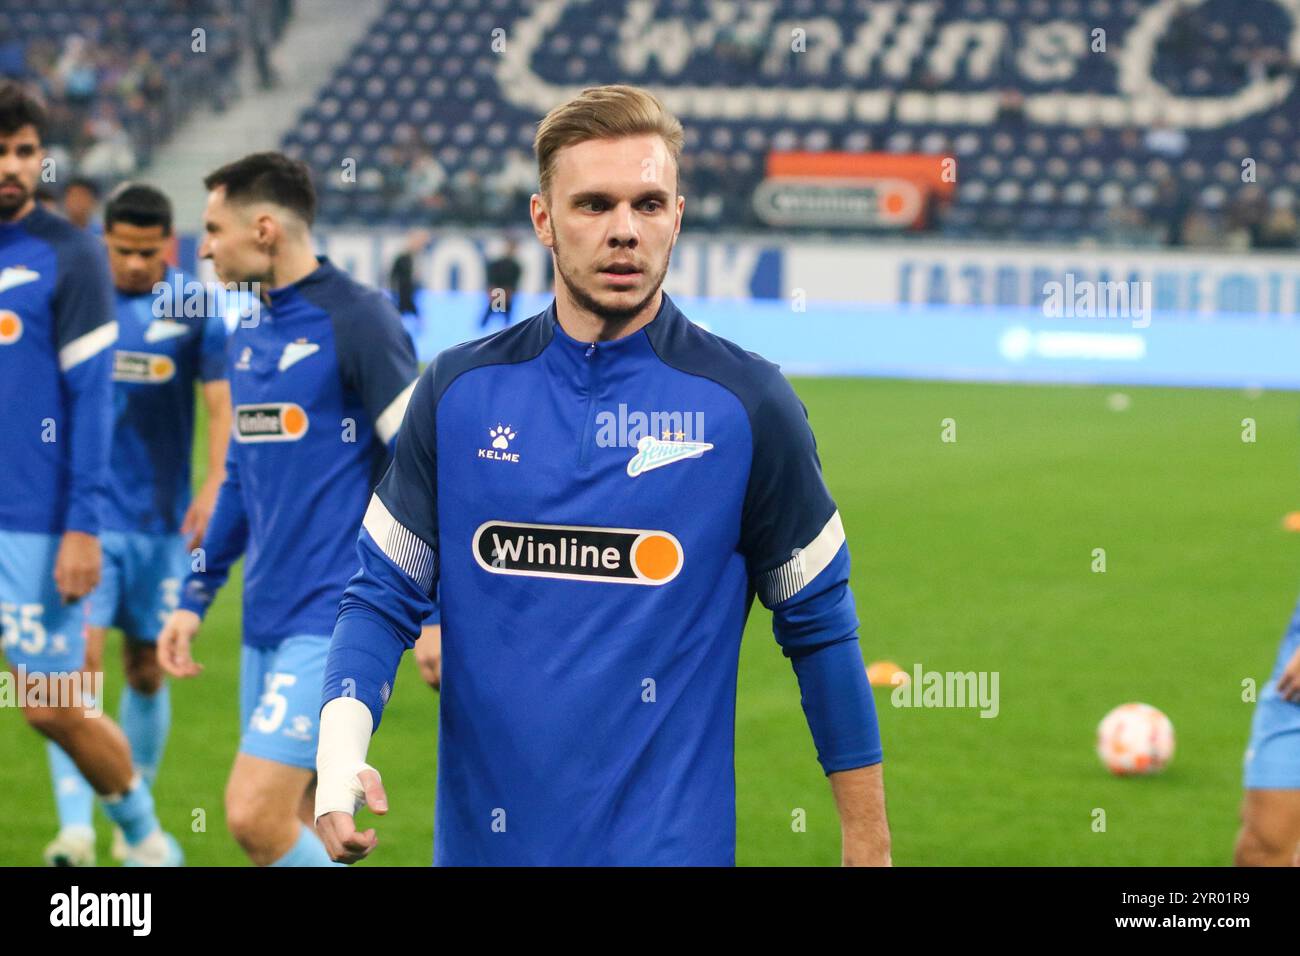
point(1135, 739)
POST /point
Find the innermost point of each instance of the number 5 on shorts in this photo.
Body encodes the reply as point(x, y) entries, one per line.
point(273, 705)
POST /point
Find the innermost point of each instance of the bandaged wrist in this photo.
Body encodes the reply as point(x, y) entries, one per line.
point(345, 727)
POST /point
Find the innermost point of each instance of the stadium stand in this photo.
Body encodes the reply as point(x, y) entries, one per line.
point(118, 82)
point(1054, 139)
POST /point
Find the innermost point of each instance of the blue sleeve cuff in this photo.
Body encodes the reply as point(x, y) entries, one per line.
point(363, 658)
point(839, 706)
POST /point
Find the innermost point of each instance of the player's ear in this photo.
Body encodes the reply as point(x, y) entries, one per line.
point(539, 211)
point(270, 229)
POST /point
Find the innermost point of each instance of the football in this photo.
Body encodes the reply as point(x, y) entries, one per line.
point(1135, 739)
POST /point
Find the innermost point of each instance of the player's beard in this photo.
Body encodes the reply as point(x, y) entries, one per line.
point(11, 206)
point(615, 315)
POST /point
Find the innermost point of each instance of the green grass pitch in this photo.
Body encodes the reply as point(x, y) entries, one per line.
point(973, 555)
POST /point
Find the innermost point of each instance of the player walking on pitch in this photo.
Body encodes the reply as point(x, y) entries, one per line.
point(57, 329)
point(597, 566)
point(319, 379)
point(149, 523)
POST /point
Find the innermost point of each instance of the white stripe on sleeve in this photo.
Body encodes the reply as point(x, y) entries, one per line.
point(390, 419)
point(401, 545)
point(787, 580)
point(87, 346)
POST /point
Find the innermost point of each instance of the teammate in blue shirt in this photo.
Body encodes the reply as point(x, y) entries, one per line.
point(1270, 809)
point(57, 330)
point(150, 522)
point(600, 492)
point(319, 378)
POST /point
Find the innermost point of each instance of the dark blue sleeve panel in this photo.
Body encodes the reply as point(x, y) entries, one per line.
point(404, 523)
point(375, 355)
point(787, 507)
point(85, 328)
point(799, 562)
point(793, 541)
point(83, 294)
point(223, 542)
point(212, 350)
point(790, 527)
point(408, 491)
point(390, 597)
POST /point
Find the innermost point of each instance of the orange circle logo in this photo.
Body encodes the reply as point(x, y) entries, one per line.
point(161, 368)
point(11, 327)
point(294, 421)
point(656, 557)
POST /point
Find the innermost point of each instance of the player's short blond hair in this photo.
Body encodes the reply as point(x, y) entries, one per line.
point(604, 112)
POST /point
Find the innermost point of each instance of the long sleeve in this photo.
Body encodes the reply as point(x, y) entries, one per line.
point(224, 542)
point(794, 543)
point(390, 596)
point(85, 329)
point(377, 362)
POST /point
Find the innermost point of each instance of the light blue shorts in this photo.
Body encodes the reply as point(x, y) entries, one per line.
point(279, 699)
point(1273, 754)
point(140, 584)
point(41, 634)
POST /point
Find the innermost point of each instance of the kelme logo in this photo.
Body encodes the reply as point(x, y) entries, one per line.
point(274, 421)
point(142, 368)
point(11, 327)
point(578, 553)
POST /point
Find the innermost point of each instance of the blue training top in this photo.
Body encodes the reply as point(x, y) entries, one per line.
point(600, 517)
point(156, 362)
point(319, 383)
point(56, 331)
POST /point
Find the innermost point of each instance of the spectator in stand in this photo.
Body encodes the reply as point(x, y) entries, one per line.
point(1199, 230)
point(110, 156)
point(80, 199)
point(1246, 216)
point(425, 181)
point(1164, 140)
point(1279, 229)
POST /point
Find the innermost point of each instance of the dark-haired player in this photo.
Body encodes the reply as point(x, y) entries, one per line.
point(319, 378)
point(57, 330)
point(150, 521)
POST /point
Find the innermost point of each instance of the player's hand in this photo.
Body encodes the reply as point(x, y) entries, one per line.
point(76, 569)
point(428, 655)
point(1288, 685)
point(200, 513)
point(337, 829)
point(174, 642)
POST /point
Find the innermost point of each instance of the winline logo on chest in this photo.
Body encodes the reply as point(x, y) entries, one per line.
point(578, 552)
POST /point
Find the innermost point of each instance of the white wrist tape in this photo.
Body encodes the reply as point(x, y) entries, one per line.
point(345, 726)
